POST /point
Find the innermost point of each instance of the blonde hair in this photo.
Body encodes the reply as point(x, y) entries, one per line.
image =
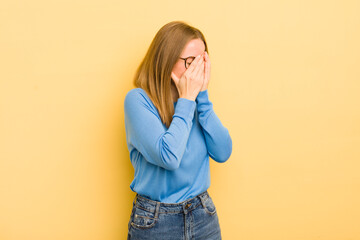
point(154, 72)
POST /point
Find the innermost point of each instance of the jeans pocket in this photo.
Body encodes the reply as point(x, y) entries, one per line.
point(143, 219)
point(209, 206)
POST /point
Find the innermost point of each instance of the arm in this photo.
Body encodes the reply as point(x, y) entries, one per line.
point(146, 132)
point(217, 137)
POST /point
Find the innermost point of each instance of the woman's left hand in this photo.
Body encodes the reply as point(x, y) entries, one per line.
point(206, 72)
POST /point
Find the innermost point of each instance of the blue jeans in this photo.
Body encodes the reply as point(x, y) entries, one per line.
point(195, 218)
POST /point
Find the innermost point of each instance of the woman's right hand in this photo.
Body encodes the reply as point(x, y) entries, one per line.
point(190, 83)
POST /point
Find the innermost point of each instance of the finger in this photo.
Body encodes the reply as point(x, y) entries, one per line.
point(200, 70)
point(203, 79)
point(203, 72)
point(175, 78)
point(207, 57)
point(207, 64)
point(199, 67)
point(206, 71)
point(194, 63)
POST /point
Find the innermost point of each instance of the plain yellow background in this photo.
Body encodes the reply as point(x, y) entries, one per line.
point(284, 81)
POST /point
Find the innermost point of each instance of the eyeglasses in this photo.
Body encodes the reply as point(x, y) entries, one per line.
point(188, 61)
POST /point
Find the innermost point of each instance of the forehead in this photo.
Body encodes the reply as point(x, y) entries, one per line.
point(193, 48)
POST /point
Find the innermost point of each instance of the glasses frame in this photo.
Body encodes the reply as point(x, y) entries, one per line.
point(185, 59)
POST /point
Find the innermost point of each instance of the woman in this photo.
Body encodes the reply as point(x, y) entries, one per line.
point(171, 130)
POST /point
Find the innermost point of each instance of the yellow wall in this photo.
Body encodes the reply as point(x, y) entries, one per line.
point(285, 82)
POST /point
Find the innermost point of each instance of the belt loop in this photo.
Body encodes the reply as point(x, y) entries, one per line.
point(202, 196)
point(157, 209)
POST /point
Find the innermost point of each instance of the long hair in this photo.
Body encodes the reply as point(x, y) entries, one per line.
point(154, 72)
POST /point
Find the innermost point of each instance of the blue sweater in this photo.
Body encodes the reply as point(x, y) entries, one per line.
point(172, 164)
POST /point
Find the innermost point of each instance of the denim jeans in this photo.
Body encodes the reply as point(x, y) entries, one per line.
point(195, 218)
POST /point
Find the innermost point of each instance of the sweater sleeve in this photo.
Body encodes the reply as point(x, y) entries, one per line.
point(217, 137)
point(146, 132)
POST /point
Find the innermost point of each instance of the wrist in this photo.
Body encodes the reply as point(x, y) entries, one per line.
point(189, 98)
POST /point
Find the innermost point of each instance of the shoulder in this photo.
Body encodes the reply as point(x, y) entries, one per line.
point(135, 92)
point(137, 97)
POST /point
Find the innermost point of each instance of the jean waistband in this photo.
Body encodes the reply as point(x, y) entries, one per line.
point(160, 207)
